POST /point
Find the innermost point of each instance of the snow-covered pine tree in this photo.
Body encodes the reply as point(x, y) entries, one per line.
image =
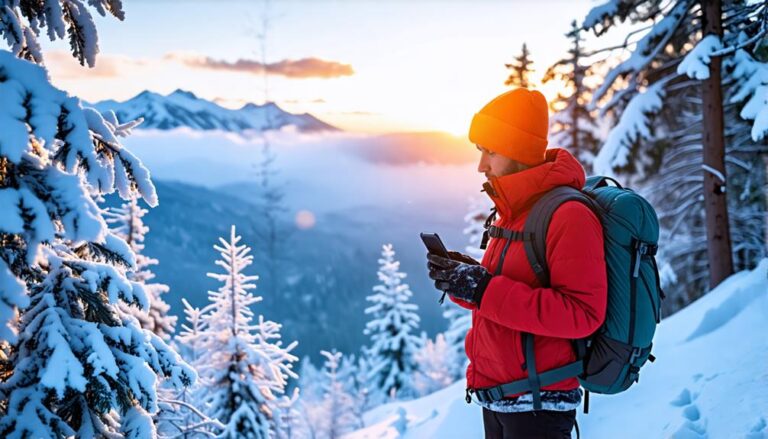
point(392, 329)
point(520, 69)
point(685, 233)
point(572, 125)
point(241, 364)
point(290, 423)
point(657, 81)
point(80, 365)
point(743, 71)
point(127, 224)
point(22, 22)
point(179, 415)
point(310, 381)
point(353, 371)
point(436, 363)
point(44, 128)
point(337, 407)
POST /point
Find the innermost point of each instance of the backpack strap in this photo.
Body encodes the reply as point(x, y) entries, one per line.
point(552, 376)
point(597, 181)
point(537, 225)
point(538, 221)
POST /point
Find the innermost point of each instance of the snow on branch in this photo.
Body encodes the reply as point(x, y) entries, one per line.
point(752, 86)
point(646, 49)
point(696, 63)
point(714, 172)
point(601, 15)
point(21, 23)
point(633, 126)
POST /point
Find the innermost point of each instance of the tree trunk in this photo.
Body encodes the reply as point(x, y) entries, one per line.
point(716, 208)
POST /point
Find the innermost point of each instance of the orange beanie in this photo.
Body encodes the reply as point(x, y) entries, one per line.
point(514, 125)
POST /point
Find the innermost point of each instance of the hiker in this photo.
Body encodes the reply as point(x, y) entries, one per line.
point(511, 312)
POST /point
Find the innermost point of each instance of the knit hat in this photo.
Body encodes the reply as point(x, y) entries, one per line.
point(514, 125)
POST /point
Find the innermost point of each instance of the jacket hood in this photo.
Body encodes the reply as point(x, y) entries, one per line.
point(516, 193)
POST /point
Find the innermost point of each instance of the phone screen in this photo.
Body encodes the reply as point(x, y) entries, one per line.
point(434, 244)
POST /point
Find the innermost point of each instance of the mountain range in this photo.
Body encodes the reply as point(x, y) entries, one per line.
point(184, 109)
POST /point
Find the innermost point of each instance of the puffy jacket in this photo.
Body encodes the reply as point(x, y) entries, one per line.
point(514, 302)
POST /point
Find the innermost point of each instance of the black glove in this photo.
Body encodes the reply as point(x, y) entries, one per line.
point(461, 257)
point(459, 279)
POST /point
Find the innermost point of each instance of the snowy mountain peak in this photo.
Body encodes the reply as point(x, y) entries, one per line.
point(182, 108)
point(250, 106)
point(183, 93)
point(146, 94)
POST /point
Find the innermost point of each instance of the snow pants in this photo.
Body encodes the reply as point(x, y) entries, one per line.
point(540, 424)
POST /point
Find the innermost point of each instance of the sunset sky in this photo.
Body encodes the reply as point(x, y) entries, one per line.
point(363, 66)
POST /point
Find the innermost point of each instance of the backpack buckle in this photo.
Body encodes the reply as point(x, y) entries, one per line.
point(641, 249)
point(635, 355)
point(489, 395)
point(645, 248)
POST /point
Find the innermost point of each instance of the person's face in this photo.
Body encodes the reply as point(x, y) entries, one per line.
point(496, 165)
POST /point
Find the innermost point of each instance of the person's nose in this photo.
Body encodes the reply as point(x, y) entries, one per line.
point(482, 166)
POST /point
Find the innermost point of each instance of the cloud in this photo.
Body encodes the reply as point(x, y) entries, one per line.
point(402, 149)
point(296, 69)
point(357, 113)
point(63, 65)
point(230, 102)
point(301, 101)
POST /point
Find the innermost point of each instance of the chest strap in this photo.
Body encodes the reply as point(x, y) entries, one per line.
point(512, 235)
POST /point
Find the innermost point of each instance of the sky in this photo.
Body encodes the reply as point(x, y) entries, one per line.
point(364, 66)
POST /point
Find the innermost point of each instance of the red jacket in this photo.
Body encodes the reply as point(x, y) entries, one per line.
point(573, 307)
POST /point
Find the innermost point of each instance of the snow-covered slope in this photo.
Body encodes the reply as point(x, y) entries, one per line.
point(184, 109)
point(710, 380)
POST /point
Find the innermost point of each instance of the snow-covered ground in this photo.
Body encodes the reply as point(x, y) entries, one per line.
point(710, 380)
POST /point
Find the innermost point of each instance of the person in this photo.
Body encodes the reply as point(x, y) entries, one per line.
point(503, 292)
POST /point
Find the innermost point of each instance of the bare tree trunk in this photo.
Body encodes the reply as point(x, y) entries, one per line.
point(716, 208)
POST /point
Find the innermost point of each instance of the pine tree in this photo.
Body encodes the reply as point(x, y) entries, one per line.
point(83, 366)
point(128, 224)
point(290, 423)
point(572, 125)
point(661, 105)
point(79, 364)
point(436, 363)
point(179, 415)
point(354, 373)
point(310, 381)
point(22, 22)
point(392, 330)
point(242, 366)
point(520, 70)
point(337, 407)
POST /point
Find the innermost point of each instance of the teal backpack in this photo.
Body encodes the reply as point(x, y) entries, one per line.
point(609, 360)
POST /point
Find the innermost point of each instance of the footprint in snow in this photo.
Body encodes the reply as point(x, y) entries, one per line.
point(694, 426)
point(759, 430)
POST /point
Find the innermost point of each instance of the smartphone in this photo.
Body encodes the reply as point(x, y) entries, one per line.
point(434, 244)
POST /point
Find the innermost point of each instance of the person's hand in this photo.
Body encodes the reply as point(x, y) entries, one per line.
point(459, 279)
point(461, 257)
